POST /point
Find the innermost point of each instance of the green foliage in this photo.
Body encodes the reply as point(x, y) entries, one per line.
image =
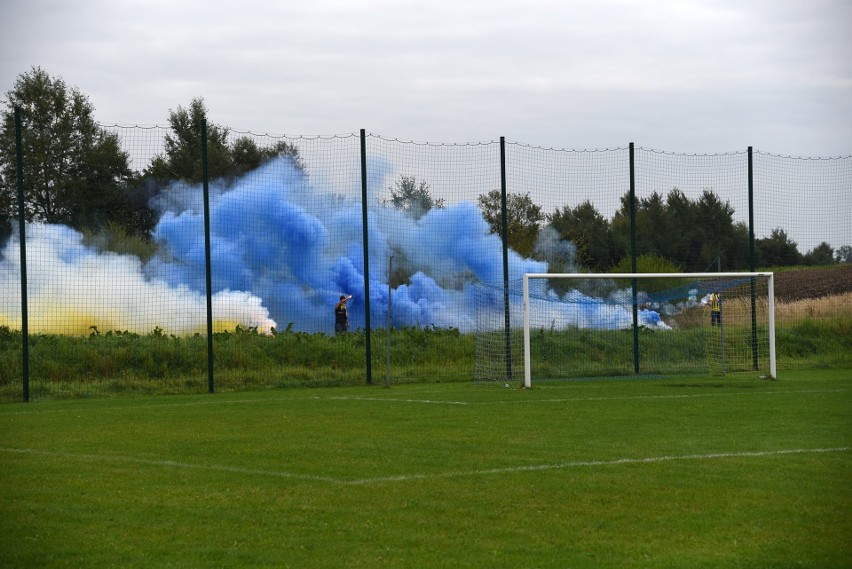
point(119, 362)
point(649, 264)
point(822, 254)
point(113, 362)
point(415, 200)
point(646, 264)
point(777, 250)
point(118, 239)
point(811, 342)
point(590, 232)
point(692, 234)
point(523, 219)
point(75, 173)
point(182, 158)
point(412, 198)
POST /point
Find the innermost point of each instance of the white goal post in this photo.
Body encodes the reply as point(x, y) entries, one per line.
point(705, 277)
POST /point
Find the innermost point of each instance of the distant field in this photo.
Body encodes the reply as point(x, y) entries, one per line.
point(674, 472)
point(798, 283)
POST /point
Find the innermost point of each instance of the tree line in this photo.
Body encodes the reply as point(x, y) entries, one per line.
point(77, 174)
point(706, 233)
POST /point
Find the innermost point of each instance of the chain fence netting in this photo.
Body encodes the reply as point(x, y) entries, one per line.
point(228, 264)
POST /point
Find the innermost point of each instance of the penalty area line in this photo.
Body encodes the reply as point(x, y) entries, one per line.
point(589, 463)
point(421, 476)
point(172, 464)
point(532, 401)
point(395, 400)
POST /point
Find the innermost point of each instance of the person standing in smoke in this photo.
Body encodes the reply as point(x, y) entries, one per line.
point(341, 316)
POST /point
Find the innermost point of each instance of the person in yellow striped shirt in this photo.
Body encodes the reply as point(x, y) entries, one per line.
point(715, 309)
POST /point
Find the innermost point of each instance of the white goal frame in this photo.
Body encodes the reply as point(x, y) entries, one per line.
point(708, 276)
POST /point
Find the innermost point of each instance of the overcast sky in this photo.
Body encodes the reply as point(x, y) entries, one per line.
point(692, 76)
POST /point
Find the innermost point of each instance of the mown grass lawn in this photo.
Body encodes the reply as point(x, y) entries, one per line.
point(674, 472)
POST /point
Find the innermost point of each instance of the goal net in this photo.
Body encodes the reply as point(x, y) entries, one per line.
point(562, 326)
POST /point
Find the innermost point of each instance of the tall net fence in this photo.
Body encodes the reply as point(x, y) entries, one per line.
point(428, 243)
point(412, 231)
point(569, 187)
point(693, 209)
point(803, 202)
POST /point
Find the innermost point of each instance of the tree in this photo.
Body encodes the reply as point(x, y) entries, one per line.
point(692, 234)
point(75, 172)
point(246, 155)
point(590, 232)
point(182, 157)
point(822, 254)
point(652, 225)
point(523, 219)
point(721, 237)
point(649, 264)
point(777, 250)
point(844, 254)
point(413, 198)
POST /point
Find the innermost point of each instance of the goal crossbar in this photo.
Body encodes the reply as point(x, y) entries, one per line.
point(703, 276)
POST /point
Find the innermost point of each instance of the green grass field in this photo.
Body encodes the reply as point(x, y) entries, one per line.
point(670, 472)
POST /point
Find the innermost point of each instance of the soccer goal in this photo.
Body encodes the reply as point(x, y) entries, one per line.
point(612, 325)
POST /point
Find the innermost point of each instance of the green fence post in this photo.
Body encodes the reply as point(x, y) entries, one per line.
point(25, 336)
point(633, 254)
point(207, 264)
point(505, 234)
point(368, 330)
point(751, 259)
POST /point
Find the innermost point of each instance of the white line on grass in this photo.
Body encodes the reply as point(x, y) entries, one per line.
point(427, 476)
point(173, 464)
point(680, 396)
point(587, 463)
point(396, 400)
point(577, 399)
point(391, 399)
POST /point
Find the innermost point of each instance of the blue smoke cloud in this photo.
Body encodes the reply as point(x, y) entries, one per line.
point(299, 247)
point(284, 247)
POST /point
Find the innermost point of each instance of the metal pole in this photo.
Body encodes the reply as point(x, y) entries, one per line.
point(721, 319)
point(25, 335)
point(751, 258)
point(527, 350)
point(505, 234)
point(368, 330)
point(633, 253)
point(751, 254)
point(388, 339)
point(207, 263)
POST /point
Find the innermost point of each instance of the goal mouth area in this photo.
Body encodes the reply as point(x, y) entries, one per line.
point(686, 348)
point(592, 326)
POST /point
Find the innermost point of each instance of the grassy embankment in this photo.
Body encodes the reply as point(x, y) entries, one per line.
point(816, 333)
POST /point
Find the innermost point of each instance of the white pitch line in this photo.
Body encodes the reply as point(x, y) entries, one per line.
point(173, 464)
point(395, 400)
point(733, 392)
point(678, 396)
point(578, 399)
point(423, 476)
point(586, 463)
